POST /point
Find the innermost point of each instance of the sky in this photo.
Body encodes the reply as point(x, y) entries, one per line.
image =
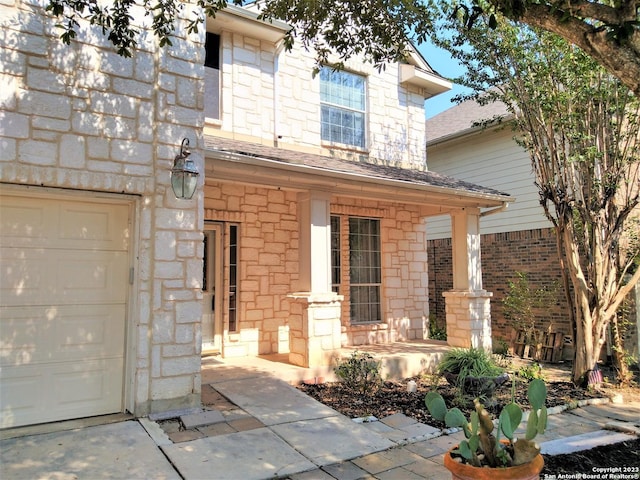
point(441, 62)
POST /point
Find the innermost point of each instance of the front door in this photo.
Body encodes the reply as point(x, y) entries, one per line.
point(212, 280)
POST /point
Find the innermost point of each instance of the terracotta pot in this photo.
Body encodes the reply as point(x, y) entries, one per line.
point(461, 471)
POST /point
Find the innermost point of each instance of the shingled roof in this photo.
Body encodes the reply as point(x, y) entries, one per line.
point(359, 170)
point(459, 120)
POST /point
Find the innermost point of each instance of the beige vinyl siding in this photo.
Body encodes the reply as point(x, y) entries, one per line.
point(491, 159)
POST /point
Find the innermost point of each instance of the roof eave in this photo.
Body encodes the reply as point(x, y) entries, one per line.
point(237, 19)
point(431, 83)
point(301, 176)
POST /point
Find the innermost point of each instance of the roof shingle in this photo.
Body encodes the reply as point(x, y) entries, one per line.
point(362, 169)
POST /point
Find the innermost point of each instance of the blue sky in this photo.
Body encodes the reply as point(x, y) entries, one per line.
point(441, 62)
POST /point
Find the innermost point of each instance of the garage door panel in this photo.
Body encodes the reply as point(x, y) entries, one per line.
point(37, 276)
point(33, 222)
point(21, 278)
point(85, 227)
point(72, 390)
point(60, 333)
point(64, 266)
point(22, 223)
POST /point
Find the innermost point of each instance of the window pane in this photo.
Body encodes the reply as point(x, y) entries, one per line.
point(212, 76)
point(365, 270)
point(233, 278)
point(343, 108)
point(336, 271)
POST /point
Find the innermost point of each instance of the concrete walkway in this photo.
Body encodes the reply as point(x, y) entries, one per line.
point(268, 429)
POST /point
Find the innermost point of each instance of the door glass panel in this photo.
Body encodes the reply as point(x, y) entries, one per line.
point(212, 278)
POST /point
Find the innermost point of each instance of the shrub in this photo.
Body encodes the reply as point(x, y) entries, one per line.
point(531, 372)
point(465, 362)
point(473, 371)
point(360, 372)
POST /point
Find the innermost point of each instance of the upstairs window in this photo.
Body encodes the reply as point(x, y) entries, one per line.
point(343, 107)
point(212, 76)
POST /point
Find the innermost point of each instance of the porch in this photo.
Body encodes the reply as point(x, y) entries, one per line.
point(400, 360)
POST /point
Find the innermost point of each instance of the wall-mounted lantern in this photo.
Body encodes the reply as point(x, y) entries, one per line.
point(184, 174)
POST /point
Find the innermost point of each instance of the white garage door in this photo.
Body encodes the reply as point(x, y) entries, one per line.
point(63, 286)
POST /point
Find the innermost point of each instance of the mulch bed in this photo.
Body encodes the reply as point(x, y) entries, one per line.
point(392, 397)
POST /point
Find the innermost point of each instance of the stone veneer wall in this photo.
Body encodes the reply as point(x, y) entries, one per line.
point(269, 252)
point(405, 308)
point(271, 96)
point(268, 262)
point(503, 254)
point(81, 117)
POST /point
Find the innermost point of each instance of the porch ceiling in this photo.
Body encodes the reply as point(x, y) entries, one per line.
point(245, 162)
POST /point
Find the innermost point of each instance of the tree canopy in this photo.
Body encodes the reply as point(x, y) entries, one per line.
point(607, 30)
point(581, 127)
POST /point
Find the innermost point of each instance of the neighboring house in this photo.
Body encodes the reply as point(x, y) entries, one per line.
point(311, 201)
point(519, 240)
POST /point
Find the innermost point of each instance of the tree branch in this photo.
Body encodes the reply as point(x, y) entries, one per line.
point(621, 59)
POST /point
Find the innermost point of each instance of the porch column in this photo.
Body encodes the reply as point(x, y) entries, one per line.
point(315, 335)
point(468, 308)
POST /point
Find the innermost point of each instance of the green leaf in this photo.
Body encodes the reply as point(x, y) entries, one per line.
point(532, 425)
point(436, 406)
point(537, 394)
point(515, 414)
point(504, 424)
point(464, 449)
point(475, 422)
point(542, 420)
point(474, 443)
point(455, 418)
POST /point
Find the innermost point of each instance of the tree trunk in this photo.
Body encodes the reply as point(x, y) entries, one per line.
point(619, 360)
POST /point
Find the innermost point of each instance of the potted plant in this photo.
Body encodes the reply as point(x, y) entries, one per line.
point(508, 459)
point(473, 370)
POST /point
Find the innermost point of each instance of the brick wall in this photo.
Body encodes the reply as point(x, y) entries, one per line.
point(503, 254)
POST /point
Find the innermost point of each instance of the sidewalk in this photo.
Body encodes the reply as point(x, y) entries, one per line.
point(260, 427)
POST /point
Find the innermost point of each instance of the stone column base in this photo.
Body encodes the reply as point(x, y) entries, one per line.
point(315, 340)
point(468, 316)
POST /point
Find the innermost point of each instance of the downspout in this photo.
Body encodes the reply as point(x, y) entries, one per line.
point(276, 92)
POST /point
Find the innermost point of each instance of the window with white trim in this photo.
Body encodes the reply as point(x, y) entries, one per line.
point(343, 108)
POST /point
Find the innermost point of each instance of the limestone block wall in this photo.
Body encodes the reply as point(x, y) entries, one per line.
point(269, 96)
point(405, 305)
point(268, 263)
point(269, 266)
point(247, 87)
point(83, 118)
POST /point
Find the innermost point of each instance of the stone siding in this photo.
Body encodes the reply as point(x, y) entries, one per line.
point(269, 253)
point(270, 96)
point(83, 118)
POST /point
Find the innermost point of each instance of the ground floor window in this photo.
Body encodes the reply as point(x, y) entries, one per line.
point(233, 278)
point(364, 267)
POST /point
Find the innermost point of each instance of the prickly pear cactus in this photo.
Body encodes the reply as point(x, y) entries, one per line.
point(479, 428)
